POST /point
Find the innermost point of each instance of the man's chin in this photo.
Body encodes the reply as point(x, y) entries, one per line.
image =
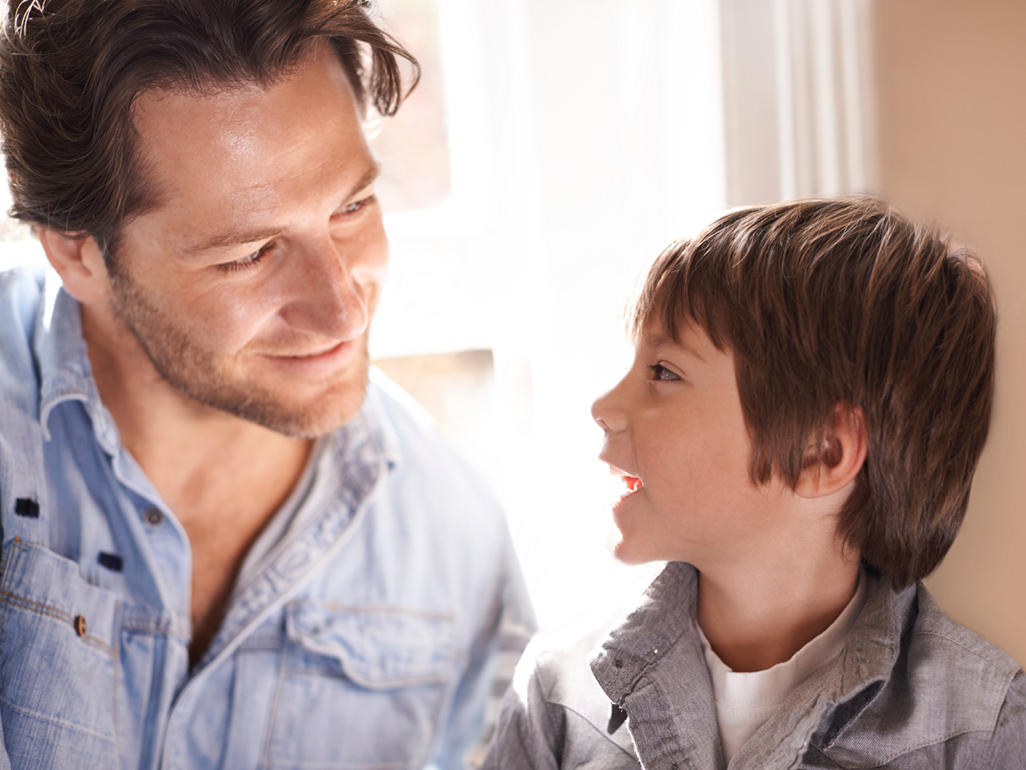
point(298, 412)
point(311, 419)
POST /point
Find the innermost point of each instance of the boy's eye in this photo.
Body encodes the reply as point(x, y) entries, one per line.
point(661, 374)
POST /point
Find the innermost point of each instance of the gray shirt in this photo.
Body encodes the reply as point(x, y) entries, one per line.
point(912, 689)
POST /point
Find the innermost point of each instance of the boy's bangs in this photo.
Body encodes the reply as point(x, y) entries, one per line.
point(673, 295)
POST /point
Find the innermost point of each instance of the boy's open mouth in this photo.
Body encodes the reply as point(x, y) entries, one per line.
point(633, 483)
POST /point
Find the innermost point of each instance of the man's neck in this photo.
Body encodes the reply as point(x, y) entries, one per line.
point(756, 618)
point(199, 459)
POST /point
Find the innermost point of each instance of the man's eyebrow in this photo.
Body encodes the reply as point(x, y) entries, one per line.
point(235, 237)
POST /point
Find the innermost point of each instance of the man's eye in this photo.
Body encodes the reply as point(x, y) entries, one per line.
point(662, 374)
point(245, 262)
point(355, 206)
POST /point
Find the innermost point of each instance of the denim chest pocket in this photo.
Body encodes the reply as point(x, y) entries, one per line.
point(361, 687)
point(58, 662)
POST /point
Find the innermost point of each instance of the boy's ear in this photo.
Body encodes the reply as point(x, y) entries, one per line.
point(78, 260)
point(835, 461)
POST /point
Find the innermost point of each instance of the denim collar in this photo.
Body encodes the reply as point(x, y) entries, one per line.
point(64, 370)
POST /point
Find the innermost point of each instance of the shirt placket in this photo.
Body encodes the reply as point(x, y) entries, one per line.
point(298, 559)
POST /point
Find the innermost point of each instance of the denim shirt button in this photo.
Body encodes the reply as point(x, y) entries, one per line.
point(153, 516)
point(80, 625)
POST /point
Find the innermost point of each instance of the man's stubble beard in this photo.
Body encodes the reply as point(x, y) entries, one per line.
point(195, 373)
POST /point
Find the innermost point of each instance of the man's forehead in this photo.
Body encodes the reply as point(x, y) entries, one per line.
point(245, 147)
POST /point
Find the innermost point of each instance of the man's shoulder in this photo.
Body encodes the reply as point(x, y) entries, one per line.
point(22, 288)
point(21, 296)
point(430, 484)
point(422, 453)
point(404, 418)
point(22, 291)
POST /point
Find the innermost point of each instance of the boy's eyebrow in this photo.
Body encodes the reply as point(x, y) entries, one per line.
point(658, 340)
point(234, 237)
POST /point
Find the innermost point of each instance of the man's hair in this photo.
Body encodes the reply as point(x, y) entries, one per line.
point(70, 71)
point(846, 302)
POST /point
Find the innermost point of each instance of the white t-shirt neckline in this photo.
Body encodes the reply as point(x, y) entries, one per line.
point(746, 699)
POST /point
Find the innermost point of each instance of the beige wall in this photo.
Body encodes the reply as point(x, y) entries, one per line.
point(952, 138)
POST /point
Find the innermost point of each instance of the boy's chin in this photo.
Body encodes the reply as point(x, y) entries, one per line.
point(628, 551)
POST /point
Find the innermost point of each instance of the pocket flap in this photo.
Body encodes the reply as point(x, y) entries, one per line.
point(376, 647)
point(49, 586)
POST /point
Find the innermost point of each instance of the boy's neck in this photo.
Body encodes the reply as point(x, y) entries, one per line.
point(754, 621)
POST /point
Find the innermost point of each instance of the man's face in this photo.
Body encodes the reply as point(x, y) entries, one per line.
point(252, 283)
point(675, 433)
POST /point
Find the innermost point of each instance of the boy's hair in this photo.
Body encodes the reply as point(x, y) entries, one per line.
point(846, 302)
point(70, 71)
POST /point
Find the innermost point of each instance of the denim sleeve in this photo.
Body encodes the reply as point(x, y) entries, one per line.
point(1008, 745)
point(5, 762)
point(488, 673)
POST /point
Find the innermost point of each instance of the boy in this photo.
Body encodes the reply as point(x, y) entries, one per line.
point(797, 436)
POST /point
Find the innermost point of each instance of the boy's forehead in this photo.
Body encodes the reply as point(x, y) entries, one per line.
point(688, 336)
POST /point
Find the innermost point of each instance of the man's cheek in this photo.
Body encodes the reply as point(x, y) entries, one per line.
point(218, 334)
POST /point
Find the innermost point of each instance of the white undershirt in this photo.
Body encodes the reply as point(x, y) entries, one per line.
point(746, 699)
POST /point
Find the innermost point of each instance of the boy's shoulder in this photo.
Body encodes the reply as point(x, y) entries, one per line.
point(938, 638)
point(949, 691)
point(555, 673)
point(969, 662)
point(912, 689)
point(942, 661)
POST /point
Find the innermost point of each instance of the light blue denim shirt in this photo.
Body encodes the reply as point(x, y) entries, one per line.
point(364, 636)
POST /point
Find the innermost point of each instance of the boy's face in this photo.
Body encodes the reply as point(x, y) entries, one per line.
point(675, 433)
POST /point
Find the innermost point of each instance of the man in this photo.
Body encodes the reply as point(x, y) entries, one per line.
point(220, 547)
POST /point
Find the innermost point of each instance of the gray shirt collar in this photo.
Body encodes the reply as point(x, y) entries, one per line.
point(652, 665)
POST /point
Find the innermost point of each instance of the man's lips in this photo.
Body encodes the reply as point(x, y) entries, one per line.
point(312, 355)
point(315, 363)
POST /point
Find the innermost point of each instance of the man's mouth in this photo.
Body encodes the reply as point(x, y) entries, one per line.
point(317, 362)
point(312, 354)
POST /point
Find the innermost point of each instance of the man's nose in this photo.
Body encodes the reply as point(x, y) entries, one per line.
point(331, 300)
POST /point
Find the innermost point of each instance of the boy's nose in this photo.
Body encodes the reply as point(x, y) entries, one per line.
point(609, 416)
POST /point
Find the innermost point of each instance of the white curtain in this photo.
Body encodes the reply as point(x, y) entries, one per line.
point(798, 98)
